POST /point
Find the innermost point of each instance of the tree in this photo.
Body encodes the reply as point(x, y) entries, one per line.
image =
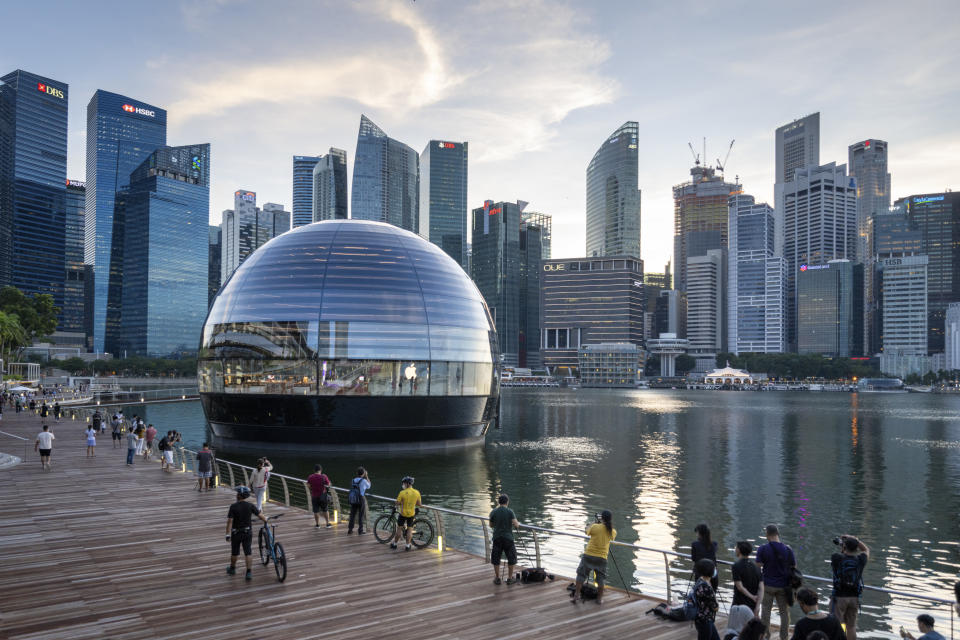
point(652, 366)
point(13, 338)
point(72, 365)
point(37, 314)
point(684, 364)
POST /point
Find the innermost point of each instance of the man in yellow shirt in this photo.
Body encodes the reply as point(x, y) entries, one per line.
point(594, 558)
point(407, 501)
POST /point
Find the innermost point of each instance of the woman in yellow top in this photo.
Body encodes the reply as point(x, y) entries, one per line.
point(594, 556)
point(408, 500)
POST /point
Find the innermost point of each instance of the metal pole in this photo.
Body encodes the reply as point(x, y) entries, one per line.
point(536, 547)
point(486, 539)
point(286, 491)
point(666, 567)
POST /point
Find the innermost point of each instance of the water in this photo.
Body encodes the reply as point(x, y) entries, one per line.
point(882, 467)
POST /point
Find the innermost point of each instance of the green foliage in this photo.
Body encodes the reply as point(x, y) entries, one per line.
point(652, 366)
point(795, 366)
point(37, 315)
point(12, 335)
point(684, 364)
point(134, 366)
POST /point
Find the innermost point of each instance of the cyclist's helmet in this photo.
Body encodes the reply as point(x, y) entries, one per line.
point(242, 491)
point(407, 480)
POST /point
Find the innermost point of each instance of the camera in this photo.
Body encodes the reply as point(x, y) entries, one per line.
point(838, 540)
point(597, 517)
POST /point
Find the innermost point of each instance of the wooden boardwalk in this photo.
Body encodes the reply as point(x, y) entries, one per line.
point(94, 549)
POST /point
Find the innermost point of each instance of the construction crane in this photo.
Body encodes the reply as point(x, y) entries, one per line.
point(696, 156)
point(721, 165)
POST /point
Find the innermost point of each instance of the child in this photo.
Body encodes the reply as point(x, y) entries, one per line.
point(706, 600)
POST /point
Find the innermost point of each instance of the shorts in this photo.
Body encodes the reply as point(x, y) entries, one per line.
point(45, 452)
point(592, 563)
point(116, 435)
point(238, 538)
point(204, 474)
point(168, 456)
point(91, 442)
point(319, 503)
point(404, 521)
point(501, 546)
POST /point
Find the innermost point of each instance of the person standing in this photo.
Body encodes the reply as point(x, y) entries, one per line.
point(97, 421)
point(259, 479)
point(205, 462)
point(706, 600)
point(358, 500)
point(776, 562)
point(319, 495)
point(814, 619)
point(747, 584)
point(408, 500)
point(503, 521)
point(91, 441)
point(44, 410)
point(164, 446)
point(115, 430)
point(704, 547)
point(131, 447)
point(847, 570)
point(150, 434)
point(44, 445)
point(594, 557)
point(240, 530)
point(57, 411)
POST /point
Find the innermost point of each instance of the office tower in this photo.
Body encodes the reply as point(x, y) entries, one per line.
point(121, 134)
point(246, 228)
point(706, 317)
point(534, 233)
point(72, 312)
point(302, 207)
point(819, 218)
point(443, 197)
point(937, 216)
point(214, 256)
point(797, 146)
point(329, 194)
point(829, 308)
point(755, 280)
point(589, 301)
point(952, 337)
point(653, 284)
point(903, 295)
point(33, 175)
point(613, 197)
point(700, 218)
point(165, 254)
point(671, 314)
point(386, 180)
point(544, 222)
point(504, 250)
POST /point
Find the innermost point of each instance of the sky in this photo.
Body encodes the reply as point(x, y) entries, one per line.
point(534, 86)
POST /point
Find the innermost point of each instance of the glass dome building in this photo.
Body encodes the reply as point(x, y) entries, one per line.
point(348, 334)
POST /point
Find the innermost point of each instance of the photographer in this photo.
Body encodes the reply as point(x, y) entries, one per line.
point(594, 558)
point(848, 580)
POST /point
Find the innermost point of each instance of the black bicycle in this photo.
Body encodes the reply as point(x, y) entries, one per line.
point(270, 549)
point(385, 527)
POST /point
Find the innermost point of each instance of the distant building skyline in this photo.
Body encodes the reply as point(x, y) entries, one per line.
point(246, 228)
point(328, 193)
point(613, 195)
point(443, 197)
point(301, 204)
point(700, 218)
point(386, 179)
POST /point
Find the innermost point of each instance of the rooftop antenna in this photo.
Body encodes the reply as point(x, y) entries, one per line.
point(721, 165)
point(696, 157)
point(704, 156)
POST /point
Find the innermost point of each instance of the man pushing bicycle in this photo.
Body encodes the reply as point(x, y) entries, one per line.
point(408, 500)
point(240, 531)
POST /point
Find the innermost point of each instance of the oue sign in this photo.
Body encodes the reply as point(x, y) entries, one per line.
point(555, 267)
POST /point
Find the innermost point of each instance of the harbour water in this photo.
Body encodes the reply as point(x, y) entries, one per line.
point(882, 467)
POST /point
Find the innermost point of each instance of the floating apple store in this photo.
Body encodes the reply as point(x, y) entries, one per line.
point(348, 334)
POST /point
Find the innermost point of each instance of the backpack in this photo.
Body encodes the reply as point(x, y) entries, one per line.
point(355, 497)
point(538, 574)
point(587, 590)
point(846, 577)
point(674, 614)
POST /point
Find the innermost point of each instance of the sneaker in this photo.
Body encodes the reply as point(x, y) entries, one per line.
point(511, 581)
point(497, 581)
point(231, 571)
point(408, 547)
point(248, 575)
point(393, 545)
point(328, 525)
point(317, 526)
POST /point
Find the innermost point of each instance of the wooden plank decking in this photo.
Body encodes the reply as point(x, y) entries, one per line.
point(94, 549)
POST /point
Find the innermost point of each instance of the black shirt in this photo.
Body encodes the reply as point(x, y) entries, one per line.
point(204, 461)
point(838, 590)
point(241, 512)
point(699, 551)
point(829, 625)
point(747, 572)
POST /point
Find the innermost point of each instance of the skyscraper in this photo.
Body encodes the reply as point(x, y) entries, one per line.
point(246, 228)
point(613, 197)
point(829, 308)
point(819, 218)
point(121, 134)
point(302, 207)
point(755, 280)
point(443, 197)
point(164, 287)
point(706, 305)
point(386, 177)
point(700, 218)
point(329, 195)
point(797, 146)
point(33, 175)
point(214, 256)
point(903, 286)
point(952, 336)
point(72, 312)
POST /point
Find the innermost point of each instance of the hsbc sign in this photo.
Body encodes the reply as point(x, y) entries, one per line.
point(129, 108)
point(43, 87)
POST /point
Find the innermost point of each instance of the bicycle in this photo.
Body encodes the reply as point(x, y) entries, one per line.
point(385, 528)
point(270, 549)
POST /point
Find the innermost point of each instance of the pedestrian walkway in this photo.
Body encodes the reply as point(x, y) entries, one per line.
point(95, 549)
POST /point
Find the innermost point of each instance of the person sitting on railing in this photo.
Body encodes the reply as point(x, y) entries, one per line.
point(503, 520)
point(706, 600)
point(814, 619)
point(925, 624)
point(594, 557)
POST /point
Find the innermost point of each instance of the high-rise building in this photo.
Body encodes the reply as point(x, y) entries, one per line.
point(33, 175)
point(755, 280)
point(302, 207)
point(819, 218)
point(589, 301)
point(613, 197)
point(246, 228)
point(671, 314)
point(903, 295)
point(653, 284)
point(952, 337)
point(797, 146)
point(829, 308)
point(214, 257)
point(443, 197)
point(700, 218)
point(164, 282)
point(386, 180)
point(544, 222)
point(329, 196)
point(937, 216)
point(706, 305)
point(121, 134)
point(72, 312)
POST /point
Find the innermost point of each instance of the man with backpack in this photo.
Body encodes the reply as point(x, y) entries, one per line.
point(776, 562)
point(319, 495)
point(358, 501)
point(848, 580)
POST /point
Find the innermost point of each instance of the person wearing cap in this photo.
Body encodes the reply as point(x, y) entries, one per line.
point(925, 624)
point(239, 530)
point(407, 500)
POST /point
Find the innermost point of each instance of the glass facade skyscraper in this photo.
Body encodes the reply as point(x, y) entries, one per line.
point(71, 313)
point(121, 133)
point(214, 256)
point(165, 254)
point(33, 174)
point(302, 207)
point(386, 180)
point(246, 228)
point(613, 197)
point(829, 308)
point(700, 218)
point(329, 181)
point(443, 197)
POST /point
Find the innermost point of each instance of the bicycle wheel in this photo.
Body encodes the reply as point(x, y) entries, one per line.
point(280, 562)
point(422, 533)
point(384, 528)
point(264, 552)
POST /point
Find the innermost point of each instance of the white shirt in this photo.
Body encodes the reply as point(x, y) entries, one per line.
point(45, 438)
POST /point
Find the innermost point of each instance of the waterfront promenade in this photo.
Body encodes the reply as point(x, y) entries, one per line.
point(94, 549)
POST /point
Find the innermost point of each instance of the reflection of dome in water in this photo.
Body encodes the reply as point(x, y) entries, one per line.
point(348, 333)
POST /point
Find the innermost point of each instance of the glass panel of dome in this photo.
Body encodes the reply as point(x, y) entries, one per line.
point(382, 305)
point(387, 341)
point(461, 312)
point(459, 343)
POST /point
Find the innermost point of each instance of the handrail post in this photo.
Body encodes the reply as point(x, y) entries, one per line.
point(439, 530)
point(246, 477)
point(536, 547)
point(336, 503)
point(233, 482)
point(286, 491)
point(666, 568)
point(486, 539)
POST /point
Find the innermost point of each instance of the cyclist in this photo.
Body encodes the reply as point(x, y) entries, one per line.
point(408, 500)
point(239, 530)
